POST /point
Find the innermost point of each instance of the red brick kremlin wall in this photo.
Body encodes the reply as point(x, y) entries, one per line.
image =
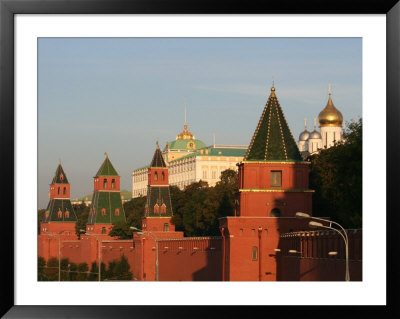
point(310, 261)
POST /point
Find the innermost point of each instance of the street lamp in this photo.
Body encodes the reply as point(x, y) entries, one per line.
point(342, 233)
point(99, 244)
point(141, 232)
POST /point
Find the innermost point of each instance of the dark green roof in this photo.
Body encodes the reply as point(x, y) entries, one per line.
point(160, 196)
point(107, 169)
point(272, 139)
point(183, 144)
point(59, 176)
point(158, 160)
point(140, 168)
point(109, 201)
point(229, 152)
point(59, 210)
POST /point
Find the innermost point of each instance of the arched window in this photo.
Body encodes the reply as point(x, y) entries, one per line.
point(103, 211)
point(254, 253)
point(163, 209)
point(117, 212)
point(103, 230)
point(162, 176)
point(105, 183)
point(113, 183)
point(166, 227)
point(59, 214)
point(64, 190)
point(67, 214)
point(156, 209)
point(276, 212)
point(58, 191)
point(155, 176)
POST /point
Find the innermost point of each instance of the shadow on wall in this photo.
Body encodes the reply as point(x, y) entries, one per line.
point(190, 259)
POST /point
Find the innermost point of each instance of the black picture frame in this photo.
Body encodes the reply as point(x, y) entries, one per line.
point(9, 8)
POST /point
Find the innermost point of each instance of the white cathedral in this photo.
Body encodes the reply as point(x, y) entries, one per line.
point(330, 121)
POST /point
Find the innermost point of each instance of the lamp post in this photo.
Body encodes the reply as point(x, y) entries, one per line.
point(141, 232)
point(342, 233)
point(99, 252)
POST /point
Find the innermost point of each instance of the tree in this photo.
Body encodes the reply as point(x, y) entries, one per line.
point(41, 213)
point(134, 211)
point(336, 177)
point(121, 230)
point(82, 214)
point(42, 276)
point(52, 269)
point(83, 269)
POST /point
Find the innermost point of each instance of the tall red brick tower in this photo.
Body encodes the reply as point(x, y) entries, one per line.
point(273, 186)
point(158, 209)
point(106, 208)
point(59, 217)
point(273, 178)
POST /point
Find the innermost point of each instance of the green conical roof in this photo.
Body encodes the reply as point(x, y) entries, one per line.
point(107, 169)
point(272, 139)
point(158, 160)
point(59, 176)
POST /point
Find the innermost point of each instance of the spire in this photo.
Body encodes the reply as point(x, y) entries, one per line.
point(305, 124)
point(107, 169)
point(315, 124)
point(185, 134)
point(272, 139)
point(158, 160)
point(59, 175)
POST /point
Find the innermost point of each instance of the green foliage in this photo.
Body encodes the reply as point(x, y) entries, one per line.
point(336, 177)
point(82, 214)
point(42, 276)
point(198, 207)
point(121, 230)
point(118, 270)
point(134, 211)
point(52, 269)
point(40, 218)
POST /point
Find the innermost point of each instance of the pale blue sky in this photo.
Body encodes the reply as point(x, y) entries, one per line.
point(120, 95)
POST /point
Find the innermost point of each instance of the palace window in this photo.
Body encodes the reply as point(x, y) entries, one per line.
point(155, 176)
point(276, 178)
point(254, 253)
point(113, 183)
point(214, 174)
point(105, 183)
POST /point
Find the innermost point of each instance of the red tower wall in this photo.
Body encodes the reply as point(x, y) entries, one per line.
point(160, 180)
point(60, 191)
point(99, 183)
point(157, 224)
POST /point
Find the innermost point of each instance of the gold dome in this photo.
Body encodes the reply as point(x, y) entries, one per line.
point(330, 115)
point(185, 135)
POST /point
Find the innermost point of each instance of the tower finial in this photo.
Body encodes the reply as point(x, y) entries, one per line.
point(185, 111)
point(273, 81)
point(158, 146)
point(106, 154)
point(59, 161)
point(330, 88)
point(305, 124)
point(315, 123)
